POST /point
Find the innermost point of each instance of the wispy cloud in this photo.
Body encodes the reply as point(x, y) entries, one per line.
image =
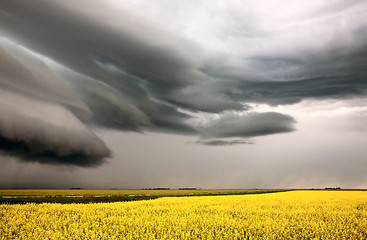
point(223, 142)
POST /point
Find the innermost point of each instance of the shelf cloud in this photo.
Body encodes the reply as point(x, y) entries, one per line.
point(37, 131)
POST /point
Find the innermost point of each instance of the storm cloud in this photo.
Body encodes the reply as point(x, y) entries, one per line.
point(36, 131)
point(249, 125)
point(67, 70)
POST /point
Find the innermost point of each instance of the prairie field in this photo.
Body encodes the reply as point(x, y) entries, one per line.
point(282, 215)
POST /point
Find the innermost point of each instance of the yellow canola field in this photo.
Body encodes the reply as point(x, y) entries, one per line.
point(286, 215)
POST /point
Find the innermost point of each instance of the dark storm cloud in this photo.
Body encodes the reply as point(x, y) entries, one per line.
point(316, 51)
point(123, 104)
point(249, 125)
point(78, 39)
point(99, 90)
point(91, 42)
point(332, 73)
point(107, 66)
point(109, 97)
point(37, 131)
point(39, 151)
point(164, 66)
point(33, 125)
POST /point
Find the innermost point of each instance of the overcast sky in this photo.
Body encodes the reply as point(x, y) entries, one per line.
point(207, 94)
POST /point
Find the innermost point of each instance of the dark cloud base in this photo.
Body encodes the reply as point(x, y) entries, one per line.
point(27, 152)
point(223, 142)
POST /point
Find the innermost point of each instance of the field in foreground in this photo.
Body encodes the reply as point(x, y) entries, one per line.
point(286, 215)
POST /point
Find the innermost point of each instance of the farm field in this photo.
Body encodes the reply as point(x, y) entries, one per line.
point(283, 215)
point(110, 195)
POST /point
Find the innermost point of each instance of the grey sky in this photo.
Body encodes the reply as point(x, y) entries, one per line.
point(200, 93)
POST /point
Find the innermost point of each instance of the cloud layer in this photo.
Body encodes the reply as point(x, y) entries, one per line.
point(66, 70)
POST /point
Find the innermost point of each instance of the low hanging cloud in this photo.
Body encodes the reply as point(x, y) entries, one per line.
point(219, 142)
point(249, 125)
point(114, 66)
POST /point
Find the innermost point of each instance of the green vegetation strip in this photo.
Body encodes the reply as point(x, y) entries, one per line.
point(21, 196)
